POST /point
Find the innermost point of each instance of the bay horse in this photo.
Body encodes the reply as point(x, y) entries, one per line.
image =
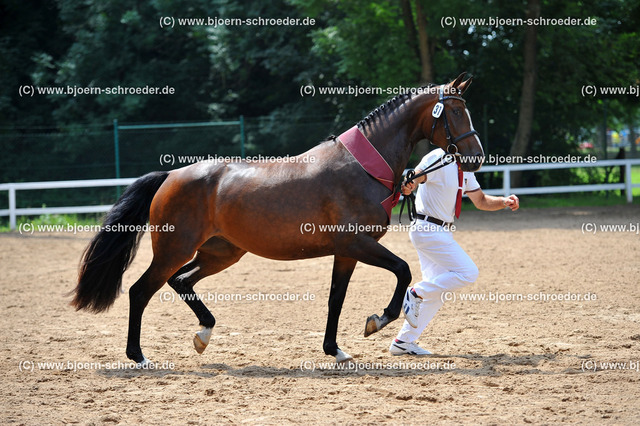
point(222, 210)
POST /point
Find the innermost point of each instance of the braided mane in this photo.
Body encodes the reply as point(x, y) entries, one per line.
point(392, 104)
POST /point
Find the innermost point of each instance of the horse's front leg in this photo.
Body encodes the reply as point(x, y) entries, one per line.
point(369, 251)
point(342, 270)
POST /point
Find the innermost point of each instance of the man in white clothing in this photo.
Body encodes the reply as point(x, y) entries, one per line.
point(445, 265)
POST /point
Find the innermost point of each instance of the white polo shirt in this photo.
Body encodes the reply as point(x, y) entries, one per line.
point(437, 196)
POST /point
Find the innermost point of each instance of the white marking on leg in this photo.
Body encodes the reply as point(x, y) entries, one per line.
point(143, 363)
point(205, 334)
point(343, 357)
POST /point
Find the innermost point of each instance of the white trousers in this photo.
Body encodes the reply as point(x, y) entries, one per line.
point(445, 267)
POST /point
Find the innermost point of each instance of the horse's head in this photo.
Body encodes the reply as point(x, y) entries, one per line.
point(447, 124)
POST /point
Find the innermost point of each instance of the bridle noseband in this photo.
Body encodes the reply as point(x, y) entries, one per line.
point(439, 111)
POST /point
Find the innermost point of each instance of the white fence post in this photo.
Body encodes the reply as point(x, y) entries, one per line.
point(12, 207)
point(506, 183)
point(627, 182)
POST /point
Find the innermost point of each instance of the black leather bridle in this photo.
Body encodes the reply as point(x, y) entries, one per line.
point(449, 156)
point(452, 149)
point(439, 111)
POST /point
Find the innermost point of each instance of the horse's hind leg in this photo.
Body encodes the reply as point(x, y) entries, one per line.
point(141, 292)
point(214, 256)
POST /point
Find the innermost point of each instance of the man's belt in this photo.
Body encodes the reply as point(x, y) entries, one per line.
point(433, 220)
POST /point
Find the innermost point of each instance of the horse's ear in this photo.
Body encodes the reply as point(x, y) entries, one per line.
point(455, 83)
point(465, 85)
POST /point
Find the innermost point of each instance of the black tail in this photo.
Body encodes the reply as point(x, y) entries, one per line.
point(112, 250)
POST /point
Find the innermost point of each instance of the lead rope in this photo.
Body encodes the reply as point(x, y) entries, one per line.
point(410, 200)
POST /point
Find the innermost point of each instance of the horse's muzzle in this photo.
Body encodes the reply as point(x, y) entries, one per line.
point(471, 163)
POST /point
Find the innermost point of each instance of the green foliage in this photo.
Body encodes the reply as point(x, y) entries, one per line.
point(369, 43)
point(31, 38)
point(222, 72)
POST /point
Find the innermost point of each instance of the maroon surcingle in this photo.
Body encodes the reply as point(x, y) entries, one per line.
point(372, 162)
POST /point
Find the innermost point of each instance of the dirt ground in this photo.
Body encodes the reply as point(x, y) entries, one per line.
point(510, 362)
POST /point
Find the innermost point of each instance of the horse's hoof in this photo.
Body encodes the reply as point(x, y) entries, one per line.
point(376, 323)
point(373, 324)
point(201, 339)
point(342, 357)
point(199, 344)
point(144, 363)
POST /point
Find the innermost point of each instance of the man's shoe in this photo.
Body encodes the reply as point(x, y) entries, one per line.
point(411, 307)
point(398, 347)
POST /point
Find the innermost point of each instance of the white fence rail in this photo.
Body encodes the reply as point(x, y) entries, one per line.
point(506, 189)
point(13, 212)
point(627, 186)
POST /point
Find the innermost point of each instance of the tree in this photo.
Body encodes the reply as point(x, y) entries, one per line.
point(225, 71)
point(422, 44)
point(528, 95)
point(119, 43)
point(30, 39)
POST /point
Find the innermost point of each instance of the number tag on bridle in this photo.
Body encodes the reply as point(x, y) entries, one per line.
point(437, 110)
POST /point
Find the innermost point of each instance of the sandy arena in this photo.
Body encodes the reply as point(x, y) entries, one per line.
point(513, 361)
